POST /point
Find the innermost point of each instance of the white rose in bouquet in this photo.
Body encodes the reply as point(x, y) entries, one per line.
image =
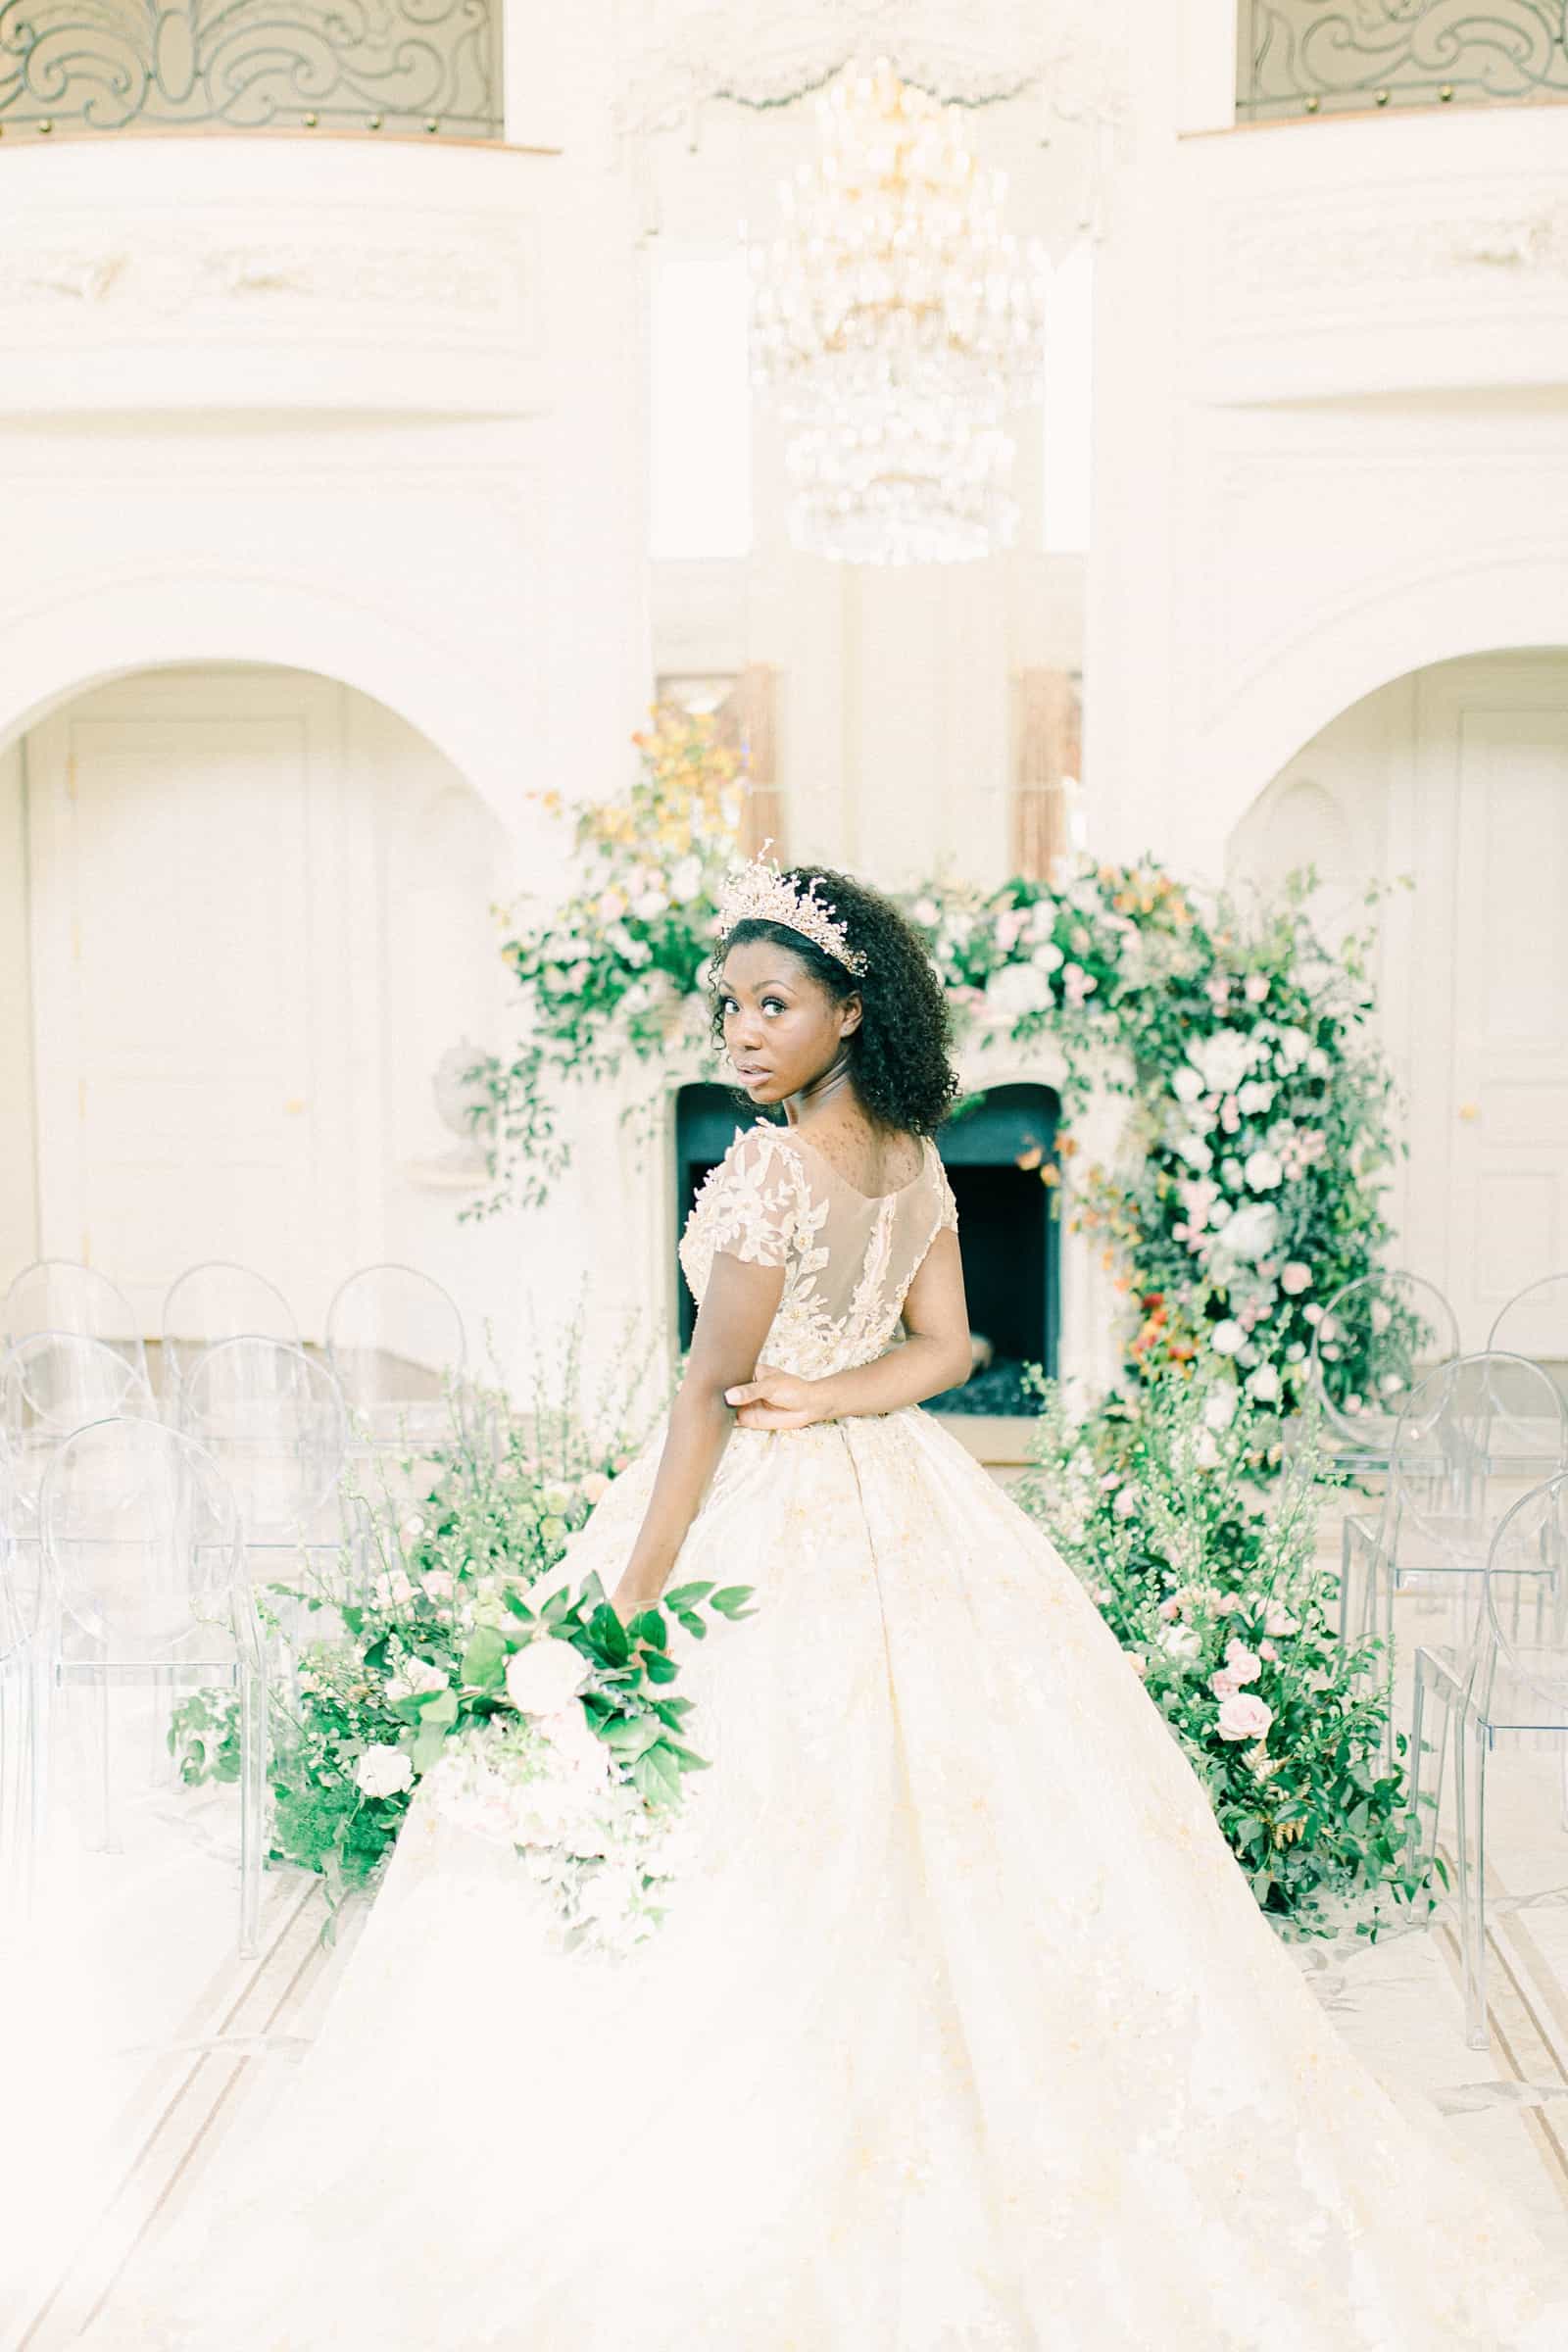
point(545, 1678)
point(578, 1748)
point(416, 1678)
point(384, 1772)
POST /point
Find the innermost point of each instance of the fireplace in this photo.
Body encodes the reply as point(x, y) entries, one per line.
point(1010, 1237)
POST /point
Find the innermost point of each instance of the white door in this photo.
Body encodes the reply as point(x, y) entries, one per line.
point(191, 889)
point(1492, 833)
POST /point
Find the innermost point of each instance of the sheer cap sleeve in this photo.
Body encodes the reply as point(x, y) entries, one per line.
point(946, 1206)
point(751, 1204)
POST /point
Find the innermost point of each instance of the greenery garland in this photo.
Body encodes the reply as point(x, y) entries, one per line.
point(1249, 1189)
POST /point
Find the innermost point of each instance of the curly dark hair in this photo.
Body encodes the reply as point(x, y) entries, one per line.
point(899, 1054)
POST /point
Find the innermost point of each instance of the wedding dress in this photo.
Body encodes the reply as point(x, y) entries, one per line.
point(964, 2033)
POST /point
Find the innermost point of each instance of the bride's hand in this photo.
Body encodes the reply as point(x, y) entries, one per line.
point(773, 1400)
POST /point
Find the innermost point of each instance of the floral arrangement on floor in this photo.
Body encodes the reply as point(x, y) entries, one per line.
point(540, 1720)
point(1208, 1579)
point(1250, 1187)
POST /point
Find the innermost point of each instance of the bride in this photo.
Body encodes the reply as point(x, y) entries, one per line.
point(964, 2033)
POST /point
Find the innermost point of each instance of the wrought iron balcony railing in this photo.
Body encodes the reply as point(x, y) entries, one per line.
point(1311, 57)
point(74, 66)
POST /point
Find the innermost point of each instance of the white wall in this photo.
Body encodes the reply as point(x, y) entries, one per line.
point(18, 1196)
point(1332, 380)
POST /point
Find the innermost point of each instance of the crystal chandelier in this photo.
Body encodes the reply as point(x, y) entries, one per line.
point(894, 323)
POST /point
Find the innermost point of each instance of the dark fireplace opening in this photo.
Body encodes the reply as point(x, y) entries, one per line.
point(1007, 1233)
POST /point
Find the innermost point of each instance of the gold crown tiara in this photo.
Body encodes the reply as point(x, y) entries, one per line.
point(759, 893)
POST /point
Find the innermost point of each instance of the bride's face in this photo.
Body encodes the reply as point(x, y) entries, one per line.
point(781, 1027)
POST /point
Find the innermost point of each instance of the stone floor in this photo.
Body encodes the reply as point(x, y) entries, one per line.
point(139, 2043)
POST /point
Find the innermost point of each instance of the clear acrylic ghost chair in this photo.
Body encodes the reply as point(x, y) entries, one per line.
point(1472, 1434)
point(1375, 1340)
point(56, 1294)
point(51, 1383)
point(275, 1421)
point(214, 1301)
point(1509, 1679)
point(395, 1340)
point(146, 1583)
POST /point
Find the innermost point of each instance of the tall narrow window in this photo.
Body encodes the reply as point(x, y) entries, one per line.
point(700, 402)
point(1068, 404)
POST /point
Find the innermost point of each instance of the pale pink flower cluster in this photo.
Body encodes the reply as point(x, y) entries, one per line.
point(1241, 1666)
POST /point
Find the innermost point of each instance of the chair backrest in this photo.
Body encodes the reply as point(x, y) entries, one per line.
point(141, 1551)
point(1471, 1434)
point(1533, 1322)
point(56, 1294)
point(1522, 1634)
point(214, 1302)
point(395, 1339)
point(1375, 1340)
point(275, 1421)
point(54, 1381)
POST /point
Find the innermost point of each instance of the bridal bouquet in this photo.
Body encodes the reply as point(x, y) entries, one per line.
point(455, 1654)
point(580, 1767)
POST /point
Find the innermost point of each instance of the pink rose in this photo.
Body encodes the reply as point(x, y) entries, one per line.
point(1241, 1664)
point(1169, 1609)
point(1244, 1716)
point(1223, 1684)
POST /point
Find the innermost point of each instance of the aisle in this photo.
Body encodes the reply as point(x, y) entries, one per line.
point(146, 2044)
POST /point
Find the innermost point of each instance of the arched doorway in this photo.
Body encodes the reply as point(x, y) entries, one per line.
point(1453, 777)
point(243, 912)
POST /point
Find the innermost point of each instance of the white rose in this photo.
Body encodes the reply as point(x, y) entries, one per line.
point(1317, 1064)
point(1251, 1234)
point(1187, 1084)
point(686, 880)
point(1048, 957)
point(1126, 1502)
point(1256, 987)
point(595, 1486)
point(1181, 1642)
point(1016, 989)
point(1254, 1097)
point(1245, 1717)
point(649, 905)
point(1195, 1153)
point(1223, 1059)
point(1262, 1171)
point(1206, 1450)
point(1227, 1338)
point(1219, 1406)
point(392, 1591)
point(612, 906)
point(384, 1772)
point(1263, 1384)
point(577, 1745)
point(545, 1678)
point(415, 1678)
point(1296, 1278)
point(926, 913)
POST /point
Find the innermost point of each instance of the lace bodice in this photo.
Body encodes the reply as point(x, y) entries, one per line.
point(774, 1201)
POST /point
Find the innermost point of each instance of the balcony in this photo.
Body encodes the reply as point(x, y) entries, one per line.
point(81, 68)
point(1299, 58)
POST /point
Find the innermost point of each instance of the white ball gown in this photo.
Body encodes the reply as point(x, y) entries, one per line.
point(964, 2033)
